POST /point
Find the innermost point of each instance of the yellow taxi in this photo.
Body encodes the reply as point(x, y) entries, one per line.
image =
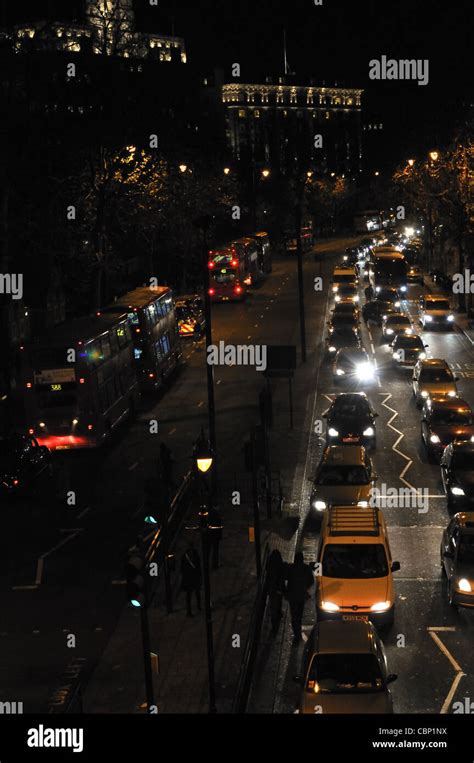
point(433, 378)
point(354, 580)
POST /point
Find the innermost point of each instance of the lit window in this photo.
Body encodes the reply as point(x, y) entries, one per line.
point(242, 113)
point(327, 115)
point(256, 113)
point(381, 127)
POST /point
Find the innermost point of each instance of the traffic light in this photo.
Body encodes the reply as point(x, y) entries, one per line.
point(137, 579)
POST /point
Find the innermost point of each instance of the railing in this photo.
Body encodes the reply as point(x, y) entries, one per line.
point(251, 647)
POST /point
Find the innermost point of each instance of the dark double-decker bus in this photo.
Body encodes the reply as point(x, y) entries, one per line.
point(152, 317)
point(79, 382)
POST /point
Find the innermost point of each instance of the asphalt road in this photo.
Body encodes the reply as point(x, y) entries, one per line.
point(429, 646)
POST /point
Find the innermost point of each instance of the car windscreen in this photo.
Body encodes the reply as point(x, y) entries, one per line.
point(350, 409)
point(452, 417)
point(463, 462)
point(398, 320)
point(343, 474)
point(466, 549)
point(409, 343)
point(436, 375)
point(439, 304)
point(349, 288)
point(341, 319)
point(354, 560)
point(344, 673)
point(345, 338)
point(344, 278)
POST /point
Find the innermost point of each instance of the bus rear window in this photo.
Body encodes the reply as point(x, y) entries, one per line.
point(50, 400)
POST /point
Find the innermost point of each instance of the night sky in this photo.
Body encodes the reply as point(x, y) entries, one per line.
point(332, 43)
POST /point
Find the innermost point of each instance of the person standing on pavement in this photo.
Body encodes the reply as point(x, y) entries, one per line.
point(191, 577)
point(214, 536)
point(275, 585)
point(299, 580)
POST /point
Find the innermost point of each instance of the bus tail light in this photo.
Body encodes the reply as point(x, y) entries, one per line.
point(151, 376)
point(15, 482)
point(82, 380)
point(234, 263)
point(28, 385)
point(211, 265)
point(212, 292)
point(90, 427)
point(248, 281)
point(42, 424)
point(31, 431)
point(75, 421)
point(238, 290)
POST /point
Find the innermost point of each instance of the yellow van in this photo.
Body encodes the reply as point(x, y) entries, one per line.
point(354, 578)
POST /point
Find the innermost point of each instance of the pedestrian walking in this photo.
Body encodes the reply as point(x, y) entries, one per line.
point(276, 569)
point(299, 580)
point(191, 577)
point(214, 536)
point(369, 293)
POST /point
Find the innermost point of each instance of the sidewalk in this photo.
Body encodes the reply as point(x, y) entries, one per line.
point(117, 684)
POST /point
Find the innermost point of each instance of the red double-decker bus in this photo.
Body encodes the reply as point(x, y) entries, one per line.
point(227, 275)
point(79, 382)
point(152, 315)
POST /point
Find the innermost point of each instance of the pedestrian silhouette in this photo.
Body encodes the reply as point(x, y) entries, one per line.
point(214, 536)
point(191, 577)
point(276, 570)
point(299, 580)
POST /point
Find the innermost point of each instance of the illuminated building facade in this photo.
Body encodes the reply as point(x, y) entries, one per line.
point(108, 29)
point(273, 121)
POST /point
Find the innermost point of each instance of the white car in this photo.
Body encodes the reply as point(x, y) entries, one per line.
point(394, 324)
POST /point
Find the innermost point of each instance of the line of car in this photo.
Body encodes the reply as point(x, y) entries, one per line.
point(344, 663)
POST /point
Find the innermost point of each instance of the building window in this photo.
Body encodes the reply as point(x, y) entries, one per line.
point(350, 101)
point(293, 96)
point(256, 113)
point(327, 115)
point(381, 127)
point(242, 113)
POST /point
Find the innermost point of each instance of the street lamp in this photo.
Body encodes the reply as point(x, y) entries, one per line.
point(411, 162)
point(204, 458)
point(434, 156)
point(376, 173)
point(265, 173)
point(183, 167)
point(226, 170)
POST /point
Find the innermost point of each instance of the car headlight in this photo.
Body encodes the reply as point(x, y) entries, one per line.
point(377, 289)
point(384, 316)
point(397, 304)
point(356, 298)
point(335, 288)
point(451, 318)
point(329, 606)
point(345, 258)
point(452, 393)
point(422, 356)
point(428, 318)
point(338, 298)
point(340, 372)
point(369, 432)
point(365, 371)
point(403, 289)
point(333, 432)
point(464, 585)
point(363, 504)
point(381, 606)
point(409, 331)
point(389, 332)
point(332, 349)
point(457, 491)
point(319, 505)
point(434, 438)
point(425, 393)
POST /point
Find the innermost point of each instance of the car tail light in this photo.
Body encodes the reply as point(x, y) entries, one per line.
point(82, 380)
point(15, 482)
point(28, 385)
point(238, 290)
point(211, 265)
point(212, 292)
point(151, 376)
point(90, 427)
point(234, 263)
point(31, 431)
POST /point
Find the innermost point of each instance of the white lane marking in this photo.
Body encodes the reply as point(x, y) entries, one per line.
point(118, 582)
point(74, 531)
point(133, 466)
point(24, 588)
point(459, 671)
point(372, 347)
point(84, 512)
point(394, 446)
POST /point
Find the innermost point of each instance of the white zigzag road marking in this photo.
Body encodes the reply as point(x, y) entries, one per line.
point(395, 445)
